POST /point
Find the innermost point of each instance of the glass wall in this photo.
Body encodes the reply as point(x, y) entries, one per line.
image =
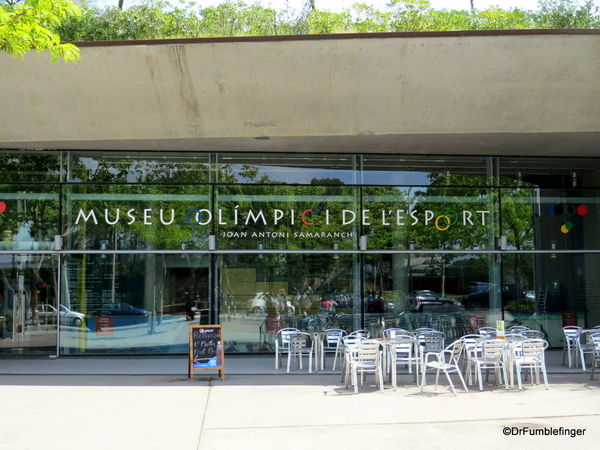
point(30, 311)
point(134, 303)
point(262, 293)
point(155, 241)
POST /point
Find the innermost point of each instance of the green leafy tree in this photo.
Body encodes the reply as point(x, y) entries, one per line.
point(29, 25)
point(567, 14)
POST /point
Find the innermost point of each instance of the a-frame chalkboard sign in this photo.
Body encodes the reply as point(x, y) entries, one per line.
point(206, 350)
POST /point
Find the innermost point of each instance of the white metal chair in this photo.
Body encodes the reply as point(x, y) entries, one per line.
point(424, 329)
point(517, 329)
point(533, 334)
point(282, 343)
point(431, 342)
point(488, 332)
point(470, 341)
point(362, 333)
point(570, 334)
point(529, 354)
point(300, 344)
point(513, 336)
point(584, 346)
point(408, 353)
point(388, 332)
point(364, 358)
point(344, 344)
point(330, 342)
point(490, 354)
point(595, 339)
point(447, 361)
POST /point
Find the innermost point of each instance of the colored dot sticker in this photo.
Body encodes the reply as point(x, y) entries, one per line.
point(582, 210)
point(564, 229)
point(569, 225)
point(550, 209)
point(558, 209)
point(2, 207)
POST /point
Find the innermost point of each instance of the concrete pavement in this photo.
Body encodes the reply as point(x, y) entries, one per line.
point(73, 409)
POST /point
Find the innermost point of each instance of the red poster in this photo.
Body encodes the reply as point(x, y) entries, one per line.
point(569, 318)
point(104, 326)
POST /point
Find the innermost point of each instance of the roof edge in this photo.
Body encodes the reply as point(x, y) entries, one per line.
point(342, 36)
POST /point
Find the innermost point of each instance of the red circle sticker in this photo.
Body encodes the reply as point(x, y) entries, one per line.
point(2, 207)
point(582, 210)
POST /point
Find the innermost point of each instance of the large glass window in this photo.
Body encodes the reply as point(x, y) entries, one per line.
point(319, 216)
point(137, 167)
point(260, 241)
point(134, 303)
point(262, 293)
point(291, 168)
point(29, 216)
point(29, 308)
point(129, 217)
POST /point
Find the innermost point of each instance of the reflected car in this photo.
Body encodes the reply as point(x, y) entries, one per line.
point(508, 293)
point(417, 299)
point(122, 309)
point(259, 303)
point(47, 314)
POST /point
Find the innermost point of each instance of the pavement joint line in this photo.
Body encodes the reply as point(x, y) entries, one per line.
point(496, 419)
point(210, 386)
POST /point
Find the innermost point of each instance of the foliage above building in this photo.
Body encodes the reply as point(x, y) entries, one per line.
point(159, 19)
point(31, 24)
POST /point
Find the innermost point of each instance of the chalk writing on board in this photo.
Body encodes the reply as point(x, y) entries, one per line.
point(206, 347)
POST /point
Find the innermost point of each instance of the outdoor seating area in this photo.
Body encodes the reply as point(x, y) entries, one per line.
point(489, 359)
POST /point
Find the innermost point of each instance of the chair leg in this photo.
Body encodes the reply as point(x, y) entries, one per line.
point(545, 376)
point(462, 380)
point(424, 371)
point(583, 366)
point(417, 373)
point(449, 381)
point(355, 380)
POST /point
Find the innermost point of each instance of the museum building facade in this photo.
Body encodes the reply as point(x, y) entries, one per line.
point(447, 180)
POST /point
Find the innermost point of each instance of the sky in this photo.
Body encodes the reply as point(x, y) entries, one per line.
point(339, 5)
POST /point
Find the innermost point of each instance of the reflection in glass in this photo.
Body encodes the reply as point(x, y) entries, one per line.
point(134, 303)
point(137, 217)
point(29, 216)
point(287, 217)
point(286, 168)
point(28, 315)
point(262, 293)
point(140, 167)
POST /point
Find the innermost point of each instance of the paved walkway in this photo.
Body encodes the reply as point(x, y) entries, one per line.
point(148, 403)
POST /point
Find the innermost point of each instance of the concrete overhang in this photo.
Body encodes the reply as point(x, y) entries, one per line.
point(528, 92)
